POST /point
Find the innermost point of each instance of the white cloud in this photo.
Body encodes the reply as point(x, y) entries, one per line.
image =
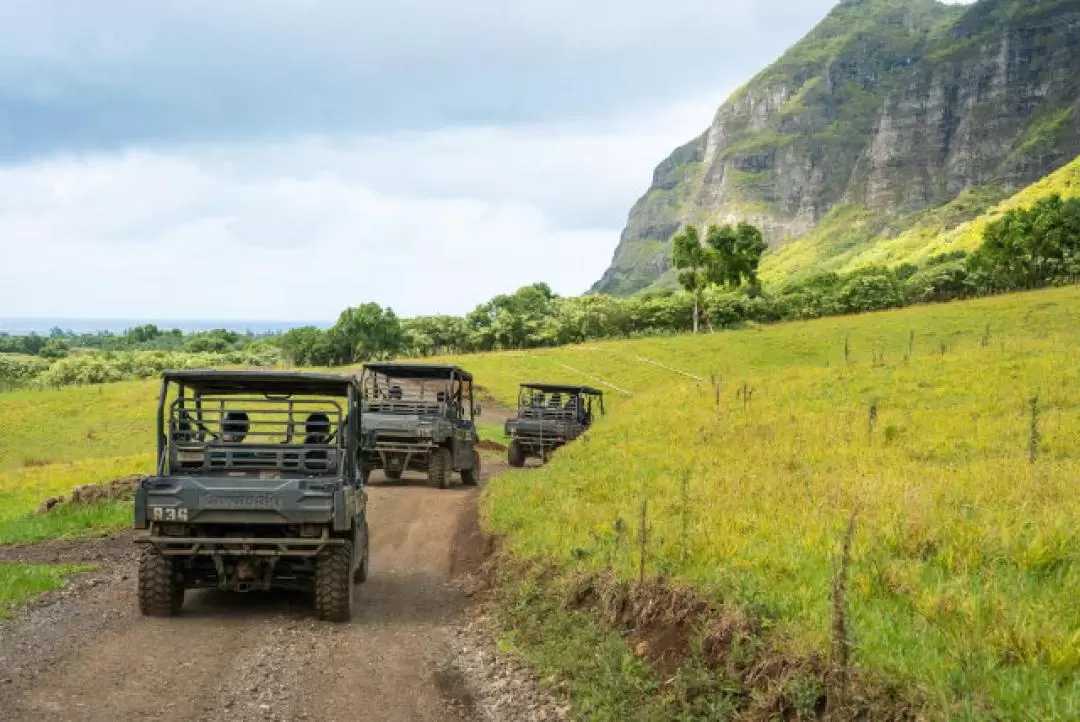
point(297, 230)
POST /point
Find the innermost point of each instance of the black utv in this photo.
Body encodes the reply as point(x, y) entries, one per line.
point(258, 486)
point(549, 416)
point(420, 417)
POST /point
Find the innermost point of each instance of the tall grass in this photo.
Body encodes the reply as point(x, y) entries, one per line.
point(964, 573)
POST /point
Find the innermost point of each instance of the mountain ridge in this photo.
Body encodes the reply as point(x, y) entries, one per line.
point(886, 111)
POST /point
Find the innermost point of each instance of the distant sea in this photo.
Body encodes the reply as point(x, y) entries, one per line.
point(21, 326)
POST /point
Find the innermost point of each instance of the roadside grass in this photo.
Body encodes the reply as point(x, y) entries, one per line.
point(964, 582)
point(490, 432)
point(20, 582)
point(22, 490)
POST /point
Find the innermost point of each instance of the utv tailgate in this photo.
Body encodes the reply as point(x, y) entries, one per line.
point(230, 500)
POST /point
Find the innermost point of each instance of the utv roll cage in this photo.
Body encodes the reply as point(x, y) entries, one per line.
point(432, 389)
point(562, 402)
point(214, 422)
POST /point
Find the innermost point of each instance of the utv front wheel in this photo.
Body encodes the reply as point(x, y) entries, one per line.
point(360, 575)
point(439, 469)
point(160, 592)
point(334, 584)
point(515, 455)
point(470, 476)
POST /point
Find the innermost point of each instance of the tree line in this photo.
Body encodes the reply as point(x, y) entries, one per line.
point(717, 271)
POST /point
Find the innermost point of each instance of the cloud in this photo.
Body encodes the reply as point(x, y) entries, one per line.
point(112, 73)
point(281, 159)
point(296, 230)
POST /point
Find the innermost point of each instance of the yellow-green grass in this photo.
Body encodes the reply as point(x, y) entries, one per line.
point(23, 490)
point(965, 579)
point(84, 422)
point(19, 582)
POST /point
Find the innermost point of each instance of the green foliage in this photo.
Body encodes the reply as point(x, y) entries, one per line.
point(737, 252)
point(306, 346)
point(55, 348)
point(364, 333)
point(103, 367)
point(1031, 247)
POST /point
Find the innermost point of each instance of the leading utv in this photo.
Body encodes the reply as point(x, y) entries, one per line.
point(258, 486)
point(549, 416)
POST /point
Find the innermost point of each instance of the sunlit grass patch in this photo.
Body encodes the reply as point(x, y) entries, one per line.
point(73, 423)
point(21, 582)
point(23, 490)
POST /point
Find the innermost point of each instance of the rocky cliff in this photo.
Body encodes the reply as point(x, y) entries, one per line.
point(890, 115)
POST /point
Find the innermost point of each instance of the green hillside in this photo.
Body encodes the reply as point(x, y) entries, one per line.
point(957, 226)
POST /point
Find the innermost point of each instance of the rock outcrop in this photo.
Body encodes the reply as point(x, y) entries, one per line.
point(888, 109)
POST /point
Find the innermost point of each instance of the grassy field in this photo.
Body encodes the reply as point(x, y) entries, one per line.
point(753, 449)
point(965, 573)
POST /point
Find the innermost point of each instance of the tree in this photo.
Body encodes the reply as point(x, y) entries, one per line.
point(54, 348)
point(306, 346)
point(365, 332)
point(1030, 247)
point(696, 265)
point(738, 252)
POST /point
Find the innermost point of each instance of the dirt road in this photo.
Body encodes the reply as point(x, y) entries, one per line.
point(88, 655)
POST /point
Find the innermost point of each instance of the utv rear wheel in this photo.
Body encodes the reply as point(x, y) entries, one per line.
point(334, 584)
point(470, 476)
point(439, 469)
point(160, 592)
point(515, 455)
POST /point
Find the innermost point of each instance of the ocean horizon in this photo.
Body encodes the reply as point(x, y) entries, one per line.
point(22, 326)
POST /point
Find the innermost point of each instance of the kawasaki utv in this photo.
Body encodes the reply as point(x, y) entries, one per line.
point(420, 417)
point(258, 486)
point(549, 416)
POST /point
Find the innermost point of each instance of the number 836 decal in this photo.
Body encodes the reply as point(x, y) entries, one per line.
point(169, 513)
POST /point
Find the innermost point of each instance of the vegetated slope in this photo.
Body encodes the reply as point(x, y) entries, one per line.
point(887, 109)
point(965, 568)
point(939, 232)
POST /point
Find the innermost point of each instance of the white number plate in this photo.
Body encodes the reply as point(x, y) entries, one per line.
point(169, 513)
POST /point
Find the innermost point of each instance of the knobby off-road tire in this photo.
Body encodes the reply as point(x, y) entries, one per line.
point(334, 584)
point(515, 455)
point(469, 477)
point(360, 574)
point(160, 592)
point(439, 469)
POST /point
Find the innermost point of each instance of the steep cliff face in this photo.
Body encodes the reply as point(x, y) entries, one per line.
point(887, 111)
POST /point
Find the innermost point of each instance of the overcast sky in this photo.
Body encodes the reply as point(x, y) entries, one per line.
point(282, 159)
